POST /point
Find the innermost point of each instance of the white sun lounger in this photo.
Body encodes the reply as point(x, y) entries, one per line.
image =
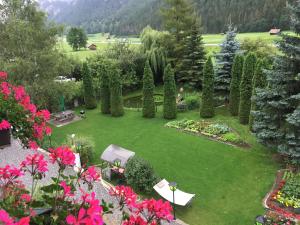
point(181, 198)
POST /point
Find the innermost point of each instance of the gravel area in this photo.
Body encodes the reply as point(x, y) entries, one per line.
point(15, 154)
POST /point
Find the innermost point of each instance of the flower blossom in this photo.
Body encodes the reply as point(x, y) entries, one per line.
point(67, 189)
point(35, 164)
point(5, 89)
point(25, 197)
point(7, 220)
point(3, 75)
point(135, 221)
point(33, 145)
point(4, 125)
point(124, 195)
point(90, 175)
point(63, 155)
point(8, 175)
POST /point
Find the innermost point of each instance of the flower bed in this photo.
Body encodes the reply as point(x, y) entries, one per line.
point(216, 131)
point(284, 199)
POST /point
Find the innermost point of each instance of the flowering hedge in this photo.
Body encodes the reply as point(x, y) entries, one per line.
point(66, 199)
point(18, 113)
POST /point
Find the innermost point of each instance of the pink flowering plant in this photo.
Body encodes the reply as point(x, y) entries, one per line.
point(19, 114)
point(69, 197)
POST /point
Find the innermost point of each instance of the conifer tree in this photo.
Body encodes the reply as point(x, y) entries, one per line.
point(148, 93)
point(89, 93)
point(170, 107)
point(191, 66)
point(105, 92)
point(246, 88)
point(224, 61)
point(207, 104)
point(259, 81)
point(277, 120)
point(236, 75)
point(116, 98)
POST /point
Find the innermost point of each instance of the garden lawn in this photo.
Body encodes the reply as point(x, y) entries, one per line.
point(229, 182)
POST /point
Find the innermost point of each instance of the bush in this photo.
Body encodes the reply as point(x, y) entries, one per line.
point(116, 99)
point(148, 93)
point(216, 129)
point(140, 175)
point(170, 107)
point(84, 146)
point(89, 93)
point(232, 137)
point(192, 102)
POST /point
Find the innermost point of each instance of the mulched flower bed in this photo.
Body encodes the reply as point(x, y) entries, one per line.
point(272, 204)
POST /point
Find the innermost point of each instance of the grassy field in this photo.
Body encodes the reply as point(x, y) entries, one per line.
point(211, 41)
point(229, 182)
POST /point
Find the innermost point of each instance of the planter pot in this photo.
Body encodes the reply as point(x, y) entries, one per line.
point(5, 139)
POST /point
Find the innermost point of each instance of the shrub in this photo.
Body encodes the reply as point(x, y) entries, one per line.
point(232, 137)
point(116, 99)
point(105, 92)
point(148, 93)
point(207, 104)
point(140, 175)
point(89, 93)
point(236, 74)
point(246, 88)
point(170, 107)
point(216, 129)
point(84, 146)
point(192, 102)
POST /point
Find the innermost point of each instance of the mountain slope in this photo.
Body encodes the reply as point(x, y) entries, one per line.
point(130, 16)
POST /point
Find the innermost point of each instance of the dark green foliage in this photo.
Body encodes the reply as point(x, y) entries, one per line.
point(105, 91)
point(170, 108)
point(191, 67)
point(89, 93)
point(259, 81)
point(148, 93)
point(116, 98)
point(207, 109)
point(192, 101)
point(140, 175)
point(224, 61)
point(246, 88)
point(236, 75)
point(77, 38)
point(277, 120)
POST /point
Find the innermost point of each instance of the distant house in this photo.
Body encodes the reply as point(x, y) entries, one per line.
point(275, 31)
point(92, 47)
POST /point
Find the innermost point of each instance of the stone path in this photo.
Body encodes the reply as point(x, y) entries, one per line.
point(15, 154)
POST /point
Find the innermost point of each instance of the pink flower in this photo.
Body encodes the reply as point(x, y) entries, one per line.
point(20, 93)
point(48, 131)
point(67, 189)
point(25, 197)
point(35, 164)
point(33, 145)
point(8, 175)
point(4, 125)
point(38, 131)
point(90, 175)
point(7, 220)
point(3, 75)
point(156, 210)
point(45, 114)
point(125, 195)
point(135, 221)
point(63, 155)
point(4, 88)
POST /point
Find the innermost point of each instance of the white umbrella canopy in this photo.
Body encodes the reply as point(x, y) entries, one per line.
point(115, 153)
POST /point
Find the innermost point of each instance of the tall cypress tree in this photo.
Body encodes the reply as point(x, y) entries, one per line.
point(105, 91)
point(191, 66)
point(224, 61)
point(170, 107)
point(259, 81)
point(236, 75)
point(89, 93)
point(277, 120)
point(148, 93)
point(246, 88)
point(116, 98)
point(207, 105)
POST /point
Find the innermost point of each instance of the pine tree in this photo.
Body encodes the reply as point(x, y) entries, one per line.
point(236, 75)
point(191, 67)
point(116, 98)
point(89, 93)
point(259, 81)
point(224, 61)
point(148, 93)
point(170, 107)
point(105, 92)
point(246, 88)
point(277, 120)
point(207, 106)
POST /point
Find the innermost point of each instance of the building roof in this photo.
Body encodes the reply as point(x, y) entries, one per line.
point(275, 31)
point(116, 153)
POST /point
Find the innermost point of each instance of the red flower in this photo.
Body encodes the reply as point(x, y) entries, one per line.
point(25, 197)
point(156, 209)
point(64, 156)
point(124, 195)
point(8, 175)
point(67, 189)
point(81, 218)
point(33, 145)
point(4, 125)
point(48, 131)
point(5, 89)
point(7, 220)
point(135, 221)
point(90, 175)
point(3, 75)
point(35, 164)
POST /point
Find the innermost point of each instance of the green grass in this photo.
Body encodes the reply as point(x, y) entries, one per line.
point(229, 182)
point(210, 39)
